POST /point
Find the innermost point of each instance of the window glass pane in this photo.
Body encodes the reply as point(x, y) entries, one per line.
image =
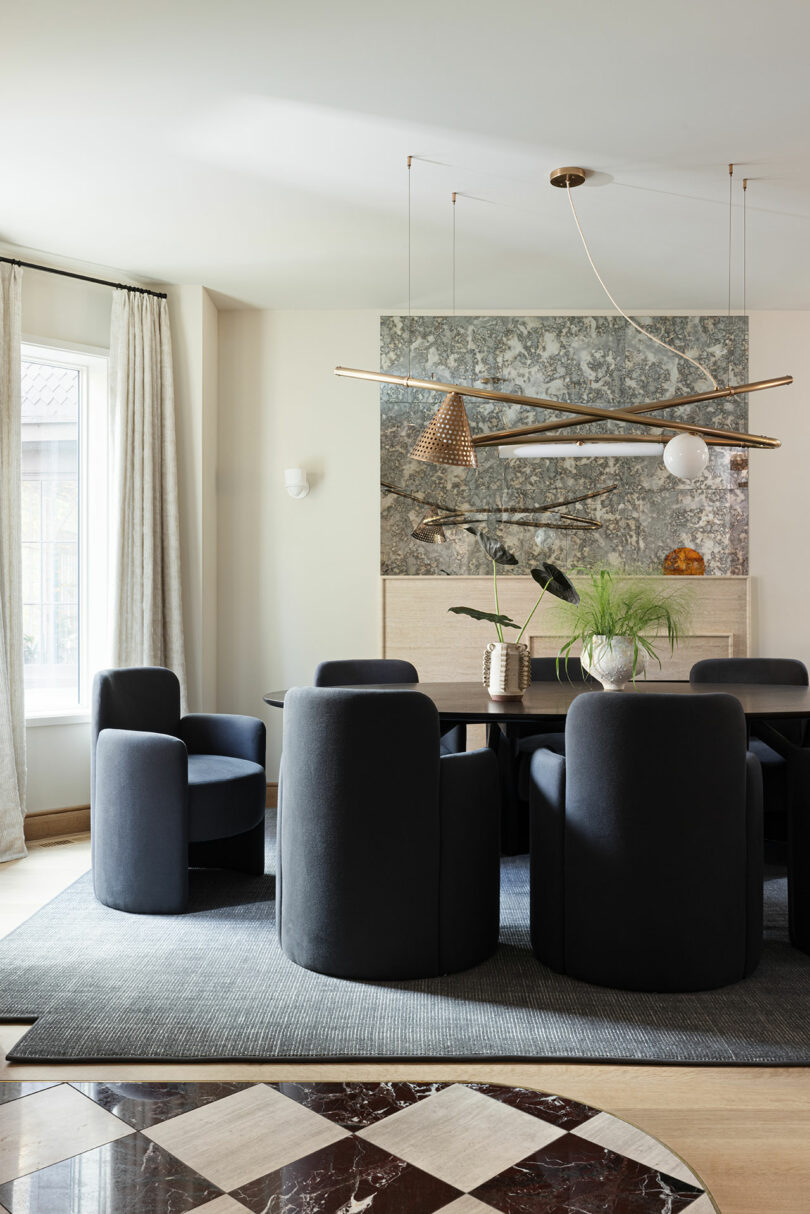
point(50, 506)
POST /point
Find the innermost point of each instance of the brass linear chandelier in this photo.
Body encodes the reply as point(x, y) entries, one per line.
point(431, 529)
point(447, 439)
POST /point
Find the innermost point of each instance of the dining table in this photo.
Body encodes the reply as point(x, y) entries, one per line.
point(546, 703)
point(471, 704)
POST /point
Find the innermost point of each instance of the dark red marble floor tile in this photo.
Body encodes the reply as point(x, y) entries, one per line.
point(349, 1175)
point(354, 1106)
point(557, 1110)
point(573, 1175)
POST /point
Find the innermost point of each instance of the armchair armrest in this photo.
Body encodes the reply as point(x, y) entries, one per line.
point(140, 821)
point(469, 860)
point(219, 733)
point(547, 822)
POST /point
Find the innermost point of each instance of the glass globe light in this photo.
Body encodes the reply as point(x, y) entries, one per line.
point(686, 456)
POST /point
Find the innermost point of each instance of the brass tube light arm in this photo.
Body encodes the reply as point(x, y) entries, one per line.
point(653, 406)
point(590, 412)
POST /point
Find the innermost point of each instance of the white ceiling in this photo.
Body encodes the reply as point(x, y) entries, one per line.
point(259, 147)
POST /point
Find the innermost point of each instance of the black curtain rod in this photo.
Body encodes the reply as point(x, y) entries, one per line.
point(102, 282)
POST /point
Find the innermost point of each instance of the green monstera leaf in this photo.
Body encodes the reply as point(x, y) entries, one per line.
point(490, 616)
point(555, 582)
point(495, 550)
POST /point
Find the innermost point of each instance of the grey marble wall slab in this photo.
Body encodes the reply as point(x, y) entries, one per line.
point(596, 360)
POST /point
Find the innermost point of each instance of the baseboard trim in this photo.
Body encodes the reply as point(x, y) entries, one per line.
point(73, 820)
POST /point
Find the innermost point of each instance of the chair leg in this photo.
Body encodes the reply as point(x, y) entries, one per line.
point(241, 853)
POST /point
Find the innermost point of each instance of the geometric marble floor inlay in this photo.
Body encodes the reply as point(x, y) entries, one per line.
point(327, 1148)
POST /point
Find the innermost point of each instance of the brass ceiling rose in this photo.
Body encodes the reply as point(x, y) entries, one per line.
point(568, 176)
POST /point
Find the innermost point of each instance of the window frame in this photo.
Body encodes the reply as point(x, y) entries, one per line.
point(92, 362)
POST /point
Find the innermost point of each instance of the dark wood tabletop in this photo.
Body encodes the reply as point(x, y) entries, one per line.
point(470, 702)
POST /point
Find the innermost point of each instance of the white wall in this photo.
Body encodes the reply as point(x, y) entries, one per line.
point(298, 580)
point(780, 486)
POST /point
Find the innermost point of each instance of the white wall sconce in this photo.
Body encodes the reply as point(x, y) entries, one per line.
point(295, 482)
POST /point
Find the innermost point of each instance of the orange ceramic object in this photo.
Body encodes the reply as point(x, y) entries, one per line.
point(684, 561)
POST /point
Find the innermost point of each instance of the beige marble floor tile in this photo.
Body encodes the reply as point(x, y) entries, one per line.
point(703, 1205)
point(466, 1205)
point(227, 1205)
point(48, 1126)
point(244, 1136)
point(461, 1136)
point(607, 1131)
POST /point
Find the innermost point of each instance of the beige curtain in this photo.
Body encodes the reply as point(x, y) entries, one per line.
point(12, 702)
point(147, 607)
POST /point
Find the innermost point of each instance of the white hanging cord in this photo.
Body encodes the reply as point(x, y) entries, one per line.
point(410, 158)
point(454, 252)
point(728, 318)
point(745, 248)
point(644, 332)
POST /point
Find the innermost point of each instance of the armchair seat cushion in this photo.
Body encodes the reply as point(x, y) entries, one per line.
point(216, 780)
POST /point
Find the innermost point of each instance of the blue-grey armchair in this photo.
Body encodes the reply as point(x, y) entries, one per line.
point(388, 852)
point(646, 844)
point(169, 792)
point(775, 672)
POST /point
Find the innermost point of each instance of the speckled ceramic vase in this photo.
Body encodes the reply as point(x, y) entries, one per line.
point(507, 670)
point(610, 660)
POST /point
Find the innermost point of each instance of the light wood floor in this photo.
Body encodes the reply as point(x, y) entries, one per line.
point(745, 1130)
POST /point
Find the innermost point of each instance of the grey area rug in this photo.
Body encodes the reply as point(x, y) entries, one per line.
point(213, 984)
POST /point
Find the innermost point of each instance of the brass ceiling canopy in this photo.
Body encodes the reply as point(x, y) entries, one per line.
point(447, 438)
point(570, 176)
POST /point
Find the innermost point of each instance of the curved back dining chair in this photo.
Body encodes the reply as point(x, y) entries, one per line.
point(646, 848)
point(350, 672)
point(766, 734)
point(388, 854)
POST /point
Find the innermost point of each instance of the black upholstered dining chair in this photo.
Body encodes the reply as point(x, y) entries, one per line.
point(350, 672)
point(169, 792)
point(388, 852)
point(777, 672)
point(646, 848)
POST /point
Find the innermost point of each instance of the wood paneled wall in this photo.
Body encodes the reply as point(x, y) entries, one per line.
point(445, 647)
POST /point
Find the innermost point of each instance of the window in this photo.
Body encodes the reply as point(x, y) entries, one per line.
point(64, 532)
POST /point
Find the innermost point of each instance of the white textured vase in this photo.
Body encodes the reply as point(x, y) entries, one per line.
point(610, 660)
point(507, 670)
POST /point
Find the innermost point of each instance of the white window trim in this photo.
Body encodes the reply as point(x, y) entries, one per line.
point(94, 504)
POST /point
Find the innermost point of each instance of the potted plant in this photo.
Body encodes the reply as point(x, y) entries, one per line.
point(620, 624)
point(507, 664)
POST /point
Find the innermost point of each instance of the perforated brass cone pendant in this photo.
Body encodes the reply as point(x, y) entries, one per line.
point(447, 438)
point(431, 533)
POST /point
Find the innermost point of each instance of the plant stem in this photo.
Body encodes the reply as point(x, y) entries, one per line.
point(498, 629)
point(531, 613)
